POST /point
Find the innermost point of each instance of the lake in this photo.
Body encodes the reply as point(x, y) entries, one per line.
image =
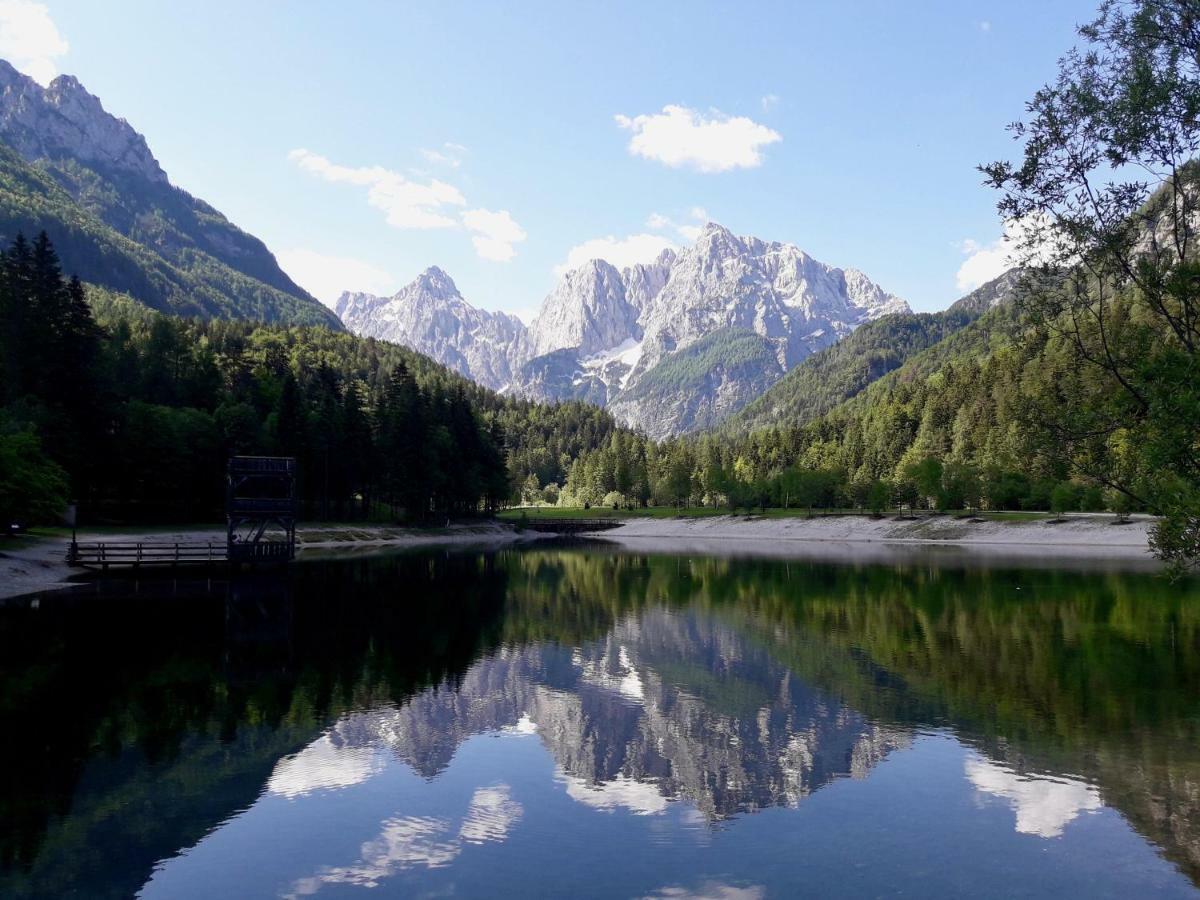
point(581, 722)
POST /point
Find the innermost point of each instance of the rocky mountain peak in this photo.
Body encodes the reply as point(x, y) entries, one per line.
point(1001, 289)
point(64, 120)
point(715, 242)
point(430, 315)
point(588, 310)
point(715, 231)
point(434, 280)
point(69, 84)
point(743, 309)
point(355, 304)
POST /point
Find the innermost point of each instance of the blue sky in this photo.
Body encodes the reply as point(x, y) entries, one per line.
point(366, 141)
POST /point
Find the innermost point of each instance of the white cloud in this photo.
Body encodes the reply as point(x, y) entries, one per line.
point(640, 798)
point(30, 40)
point(415, 842)
point(710, 890)
point(450, 155)
point(407, 204)
point(687, 231)
point(495, 233)
point(325, 277)
point(411, 204)
point(680, 137)
point(404, 842)
point(1033, 240)
point(983, 263)
point(1043, 806)
point(769, 102)
point(491, 816)
point(323, 765)
point(621, 252)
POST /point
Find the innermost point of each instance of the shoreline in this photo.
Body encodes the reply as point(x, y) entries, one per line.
point(34, 564)
point(1080, 540)
point(30, 565)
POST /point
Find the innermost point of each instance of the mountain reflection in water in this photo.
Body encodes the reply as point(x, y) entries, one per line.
point(667, 705)
point(609, 724)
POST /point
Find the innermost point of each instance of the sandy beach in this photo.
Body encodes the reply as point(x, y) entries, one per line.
point(1091, 541)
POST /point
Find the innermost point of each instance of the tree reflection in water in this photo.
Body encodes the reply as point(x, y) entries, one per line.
point(728, 685)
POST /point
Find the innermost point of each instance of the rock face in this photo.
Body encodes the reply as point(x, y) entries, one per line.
point(64, 121)
point(431, 316)
point(588, 311)
point(670, 346)
point(702, 384)
point(89, 180)
point(775, 290)
point(988, 296)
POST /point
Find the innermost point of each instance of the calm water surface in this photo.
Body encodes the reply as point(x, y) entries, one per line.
point(577, 723)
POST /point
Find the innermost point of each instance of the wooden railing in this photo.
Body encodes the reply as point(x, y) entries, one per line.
point(103, 554)
point(262, 506)
point(262, 465)
point(264, 550)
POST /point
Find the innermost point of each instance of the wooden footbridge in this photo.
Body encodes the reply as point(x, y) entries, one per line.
point(260, 525)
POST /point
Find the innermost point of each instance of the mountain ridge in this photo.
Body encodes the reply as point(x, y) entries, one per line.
point(601, 331)
point(431, 316)
point(90, 181)
point(842, 370)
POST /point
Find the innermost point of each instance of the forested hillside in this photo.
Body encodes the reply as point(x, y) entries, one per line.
point(841, 371)
point(697, 386)
point(133, 413)
point(192, 283)
point(961, 423)
point(88, 179)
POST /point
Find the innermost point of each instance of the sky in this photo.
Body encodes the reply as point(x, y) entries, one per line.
point(365, 141)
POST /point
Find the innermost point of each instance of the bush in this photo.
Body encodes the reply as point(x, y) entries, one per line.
point(877, 496)
point(1005, 490)
point(33, 488)
point(615, 499)
point(1120, 504)
point(1064, 498)
point(1091, 499)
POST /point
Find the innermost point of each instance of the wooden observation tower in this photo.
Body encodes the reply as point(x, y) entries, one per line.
point(260, 508)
